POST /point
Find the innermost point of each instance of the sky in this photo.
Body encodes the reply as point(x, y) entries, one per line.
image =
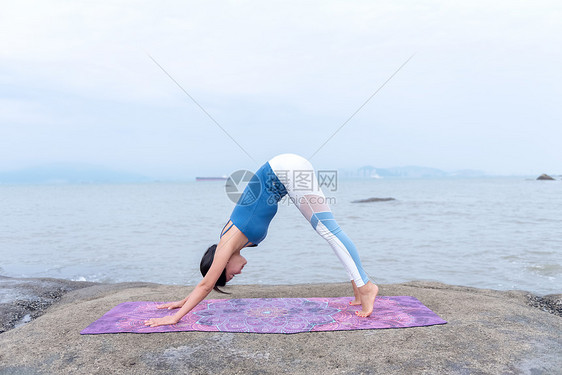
point(481, 89)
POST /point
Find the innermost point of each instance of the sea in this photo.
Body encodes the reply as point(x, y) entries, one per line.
point(499, 233)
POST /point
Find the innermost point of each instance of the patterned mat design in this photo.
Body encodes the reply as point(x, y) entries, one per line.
point(269, 315)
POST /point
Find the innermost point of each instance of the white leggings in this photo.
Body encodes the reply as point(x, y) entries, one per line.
point(298, 176)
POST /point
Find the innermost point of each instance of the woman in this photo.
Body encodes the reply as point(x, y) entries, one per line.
point(248, 226)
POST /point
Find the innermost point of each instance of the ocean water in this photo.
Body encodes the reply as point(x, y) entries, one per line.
point(499, 233)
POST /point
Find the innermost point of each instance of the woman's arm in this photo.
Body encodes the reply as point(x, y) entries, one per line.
point(202, 290)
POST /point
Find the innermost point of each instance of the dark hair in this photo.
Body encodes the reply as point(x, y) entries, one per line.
point(206, 262)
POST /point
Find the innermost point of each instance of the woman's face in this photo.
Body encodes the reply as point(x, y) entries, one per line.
point(234, 266)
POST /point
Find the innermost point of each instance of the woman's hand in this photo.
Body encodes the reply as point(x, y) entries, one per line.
point(198, 294)
point(171, 305)
point(155, 322)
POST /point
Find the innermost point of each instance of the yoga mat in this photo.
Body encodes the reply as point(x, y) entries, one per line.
point(269, 315)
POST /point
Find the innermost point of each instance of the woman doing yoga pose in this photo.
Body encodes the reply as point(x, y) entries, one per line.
point(248, 225)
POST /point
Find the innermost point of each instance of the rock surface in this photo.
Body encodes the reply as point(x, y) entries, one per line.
point(488, 332)
point(22, 300)
point(551, 303)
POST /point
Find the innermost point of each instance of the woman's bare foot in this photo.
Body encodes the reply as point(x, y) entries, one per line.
point(367, 294)
point(357, 300)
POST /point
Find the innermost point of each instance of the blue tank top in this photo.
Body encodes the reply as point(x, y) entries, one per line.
point(257, 205)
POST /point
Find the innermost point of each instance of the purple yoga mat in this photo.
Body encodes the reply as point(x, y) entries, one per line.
point(269, 315)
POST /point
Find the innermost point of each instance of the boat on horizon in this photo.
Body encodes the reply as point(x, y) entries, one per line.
point(221, 178)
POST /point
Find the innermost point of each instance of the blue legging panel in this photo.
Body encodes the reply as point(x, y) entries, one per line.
point(326, 225)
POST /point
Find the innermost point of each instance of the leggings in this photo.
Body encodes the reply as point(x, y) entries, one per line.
point(298, 176)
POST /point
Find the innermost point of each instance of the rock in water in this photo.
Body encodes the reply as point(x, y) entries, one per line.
point(545, 177)
point(373, 200)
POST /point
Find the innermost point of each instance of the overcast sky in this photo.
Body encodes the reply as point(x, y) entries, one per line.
point(483, 90)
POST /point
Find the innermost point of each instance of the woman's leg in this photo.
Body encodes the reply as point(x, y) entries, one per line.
point(313, 205)
point(317, 211)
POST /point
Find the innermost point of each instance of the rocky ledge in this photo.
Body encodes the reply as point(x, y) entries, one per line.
point(488, 332)
point(22, 300)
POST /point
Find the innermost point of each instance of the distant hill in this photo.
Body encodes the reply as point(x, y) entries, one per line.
point(69, 173)
point(77, 173)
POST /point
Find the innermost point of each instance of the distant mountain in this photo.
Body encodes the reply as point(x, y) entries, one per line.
point(414, 172)
point(77, 173)
point(69, 173)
